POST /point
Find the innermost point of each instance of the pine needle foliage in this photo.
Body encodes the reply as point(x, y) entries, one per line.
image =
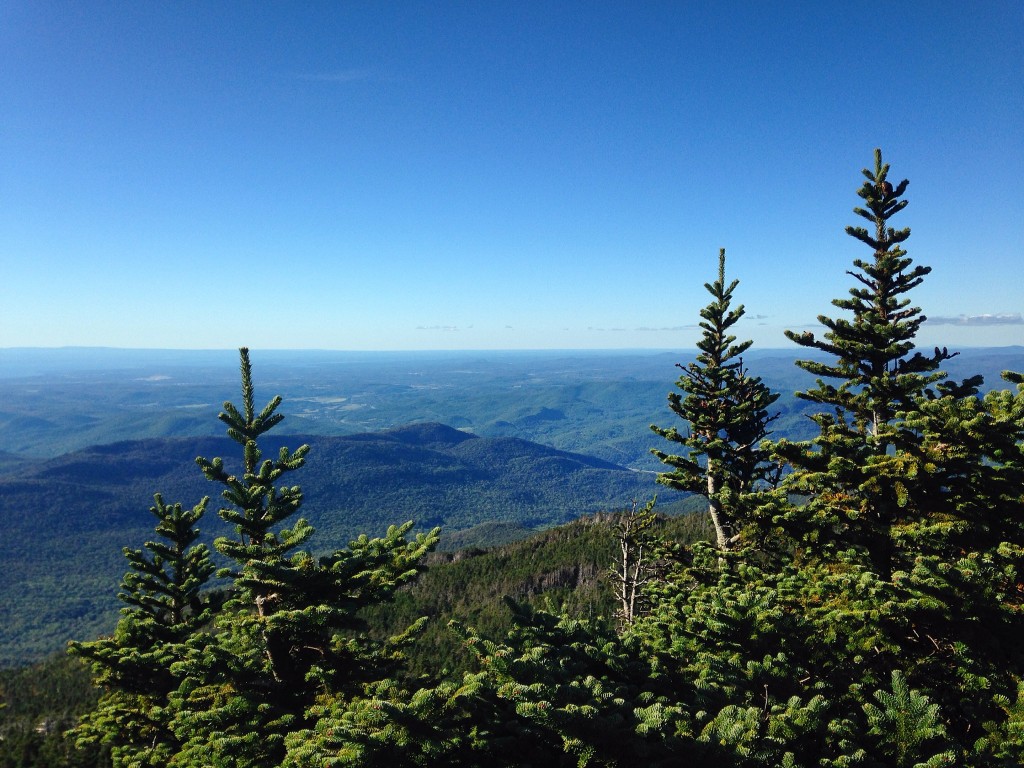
point(871, 615)
point(565, 692)
point(725, 410)
point(261, 680)
point(165, 607)
point(911, 505)
point(905, 722)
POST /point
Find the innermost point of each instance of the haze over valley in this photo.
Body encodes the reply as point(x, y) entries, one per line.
point(527, 440)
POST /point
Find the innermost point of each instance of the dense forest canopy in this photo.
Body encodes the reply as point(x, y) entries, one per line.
point(857, 602)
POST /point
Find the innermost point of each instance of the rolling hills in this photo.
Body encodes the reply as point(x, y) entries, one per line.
point(87, 437)
point(599, 403)
point(67, 518)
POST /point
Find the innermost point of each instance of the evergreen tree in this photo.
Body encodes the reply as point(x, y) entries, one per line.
point(284, 672)
point(134, 667)
point(878, 376)
point(739, 657)
point(565, 692)
point(288, 656)
point(909, 536)
point(905, 721)
point(726, 415)
point(871, 616)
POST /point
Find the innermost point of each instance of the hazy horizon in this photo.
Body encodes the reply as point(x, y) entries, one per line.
point(19, 362)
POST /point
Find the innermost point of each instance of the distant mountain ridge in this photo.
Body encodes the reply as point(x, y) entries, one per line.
point(66, 519)
point(598, 403)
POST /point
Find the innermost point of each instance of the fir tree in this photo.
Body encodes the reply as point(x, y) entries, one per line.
point(878, 376)
point(905, 722)
point(288, 659)
point(726, 415)
point(564, 692)
point(911, 529)
point(872, 348)
point(871, 617)
point(134, 667)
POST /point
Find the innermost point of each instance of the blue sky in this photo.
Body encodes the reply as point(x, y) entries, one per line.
point(375, 175)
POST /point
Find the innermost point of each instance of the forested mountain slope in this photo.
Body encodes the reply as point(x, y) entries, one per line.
point(564, 566)
point(66, 519)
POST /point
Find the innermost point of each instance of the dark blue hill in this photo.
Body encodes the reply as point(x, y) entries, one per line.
point(428, 434)
point(66, 519)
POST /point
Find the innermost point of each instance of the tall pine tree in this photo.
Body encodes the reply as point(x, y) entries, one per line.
point(908, 541)
point(878, 377)
point(288, 667)
point(283, 672)
point(726, 415)
point(871, 618)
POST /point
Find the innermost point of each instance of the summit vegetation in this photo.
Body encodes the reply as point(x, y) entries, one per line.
point(852, 599)
point(439, 475)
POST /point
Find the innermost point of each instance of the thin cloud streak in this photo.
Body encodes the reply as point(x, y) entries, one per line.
point(1003, 318)
point(671, 329)
point(341, 76)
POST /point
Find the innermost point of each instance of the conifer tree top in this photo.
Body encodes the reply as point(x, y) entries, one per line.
point(873, 347)
point(725, 411)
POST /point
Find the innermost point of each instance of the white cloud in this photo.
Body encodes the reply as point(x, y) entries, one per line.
point(1002, 318)
point(672, 329)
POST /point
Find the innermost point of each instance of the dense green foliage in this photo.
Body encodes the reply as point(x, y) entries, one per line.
point(725, 412)
point(865, 609)
point(166, 607)
point(38, 703)
point(870, 613)
point(870, 610)
point(434, 474)
point(251, 683)
point(564, 570)
point(560, 568)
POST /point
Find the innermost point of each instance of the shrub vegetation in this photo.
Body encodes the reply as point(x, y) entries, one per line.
point(856, 602)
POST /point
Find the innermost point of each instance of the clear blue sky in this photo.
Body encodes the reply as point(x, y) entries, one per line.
point(422, 175)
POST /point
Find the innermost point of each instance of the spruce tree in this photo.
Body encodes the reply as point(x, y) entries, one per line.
point(908, 534)
point(878, 377)
point(726, 415)
point(166, 606)
point(288, 658)
point(872, 615)
point(564, 692)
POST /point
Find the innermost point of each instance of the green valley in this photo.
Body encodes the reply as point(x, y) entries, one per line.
point(80, 509)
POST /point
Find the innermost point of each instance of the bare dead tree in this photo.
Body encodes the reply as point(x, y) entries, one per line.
point(634, 567)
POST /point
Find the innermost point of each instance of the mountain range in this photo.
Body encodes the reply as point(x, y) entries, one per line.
point(67, 518)
point(88, 436)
